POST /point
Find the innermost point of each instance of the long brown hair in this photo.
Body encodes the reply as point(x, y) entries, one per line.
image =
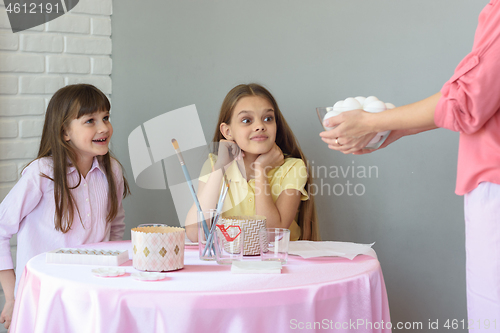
point(68, 103)
point(308, 220)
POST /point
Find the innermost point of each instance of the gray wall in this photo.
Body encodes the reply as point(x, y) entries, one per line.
point(169, 54)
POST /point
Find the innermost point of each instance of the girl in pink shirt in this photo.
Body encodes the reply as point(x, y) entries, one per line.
point(71, 194)
point(470, 104)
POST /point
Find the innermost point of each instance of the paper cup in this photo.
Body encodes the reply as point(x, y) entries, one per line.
point(158, 248)
point(250, 226)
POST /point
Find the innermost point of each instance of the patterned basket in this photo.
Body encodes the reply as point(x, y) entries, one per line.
point(158, 249)
point(250, 226)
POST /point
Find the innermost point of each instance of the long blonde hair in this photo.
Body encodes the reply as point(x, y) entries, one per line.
point(308, 219)
point(68, 103)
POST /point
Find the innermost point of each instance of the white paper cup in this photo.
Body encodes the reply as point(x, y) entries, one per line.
point(158, 249)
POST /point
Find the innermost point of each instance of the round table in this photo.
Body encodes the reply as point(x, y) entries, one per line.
point(319, 294)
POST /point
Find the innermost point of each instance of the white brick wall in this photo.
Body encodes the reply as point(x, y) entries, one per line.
point(41, 43)
point(73, 48)
point(101, 65)
point(70, 23)
point(8, 172)
point(68, 64)
point(8, 84)
point(40, 84)
point(20, 106)
point(8, 129)
point(101, 26)
point(9, 41)
point(18, 62)
point(30, 128)
point(87, 45)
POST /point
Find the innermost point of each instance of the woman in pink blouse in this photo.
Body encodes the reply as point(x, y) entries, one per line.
point(468, 103)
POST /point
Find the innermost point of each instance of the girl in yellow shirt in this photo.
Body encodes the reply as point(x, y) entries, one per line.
point(258, 152)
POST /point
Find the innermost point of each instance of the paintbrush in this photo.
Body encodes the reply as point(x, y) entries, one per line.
point(190, 183)
point(222, 198)
point(186, 173)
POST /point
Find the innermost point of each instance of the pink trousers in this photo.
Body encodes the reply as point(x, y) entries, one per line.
point(482, 234)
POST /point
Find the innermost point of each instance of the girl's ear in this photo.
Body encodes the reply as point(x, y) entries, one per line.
point(66, 136)
point(225, 130)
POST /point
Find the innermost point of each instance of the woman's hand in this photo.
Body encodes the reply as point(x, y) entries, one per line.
point(393, 136)
point(6, 316)
point(228, 152)
point(356, 128)
point(352, 133)
point(347, 145)
point(270, 160)
point(352, 124)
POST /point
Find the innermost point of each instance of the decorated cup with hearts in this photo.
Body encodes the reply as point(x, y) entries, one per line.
point(250, 225)
point(229, 243)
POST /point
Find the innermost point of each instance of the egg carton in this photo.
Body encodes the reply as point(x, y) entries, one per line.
point(87, 256)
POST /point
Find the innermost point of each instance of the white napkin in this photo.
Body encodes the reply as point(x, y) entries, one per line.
point(256, 267)
point(308, 249)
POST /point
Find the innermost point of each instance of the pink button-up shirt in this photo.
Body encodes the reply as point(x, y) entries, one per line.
point(29, 211)
point(470, 104)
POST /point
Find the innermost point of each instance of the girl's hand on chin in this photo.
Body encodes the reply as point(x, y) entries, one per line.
point(270, 160)
point(227, 152)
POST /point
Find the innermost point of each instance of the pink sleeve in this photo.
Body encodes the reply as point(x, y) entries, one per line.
point(20, 201)
point(118, 224)
point(470, 98)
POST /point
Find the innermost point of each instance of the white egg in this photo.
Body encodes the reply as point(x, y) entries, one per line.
point(339, 106)
point(360, 99)
point(389, 106)
point(351, 104)
point(329, 115)
point(375, 106)
point(370, 99)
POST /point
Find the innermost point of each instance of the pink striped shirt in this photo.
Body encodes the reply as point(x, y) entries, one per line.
point(29, 211)
point(470, 104)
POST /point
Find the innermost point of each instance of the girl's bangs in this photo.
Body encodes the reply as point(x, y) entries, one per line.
point(91, 101)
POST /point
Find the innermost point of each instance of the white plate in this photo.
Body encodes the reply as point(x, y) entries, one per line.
point(190, 244)
point(108, 271)
point(149, 276)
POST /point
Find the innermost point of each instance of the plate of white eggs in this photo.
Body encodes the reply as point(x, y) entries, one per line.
point(369, 104)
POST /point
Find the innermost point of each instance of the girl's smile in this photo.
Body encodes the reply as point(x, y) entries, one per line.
point(259, 138)
point(103, 141)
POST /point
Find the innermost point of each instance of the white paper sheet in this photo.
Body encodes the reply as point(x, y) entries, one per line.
point(256, 267)
point(309, 249)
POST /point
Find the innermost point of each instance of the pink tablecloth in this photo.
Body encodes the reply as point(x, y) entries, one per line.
point(322, 294)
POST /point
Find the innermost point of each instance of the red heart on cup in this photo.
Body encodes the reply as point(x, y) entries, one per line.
point(226, 234)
